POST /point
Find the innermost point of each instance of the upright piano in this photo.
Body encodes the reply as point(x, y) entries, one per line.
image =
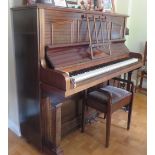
point(60, 53)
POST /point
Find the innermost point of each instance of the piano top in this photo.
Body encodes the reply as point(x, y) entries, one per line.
point(50, 6)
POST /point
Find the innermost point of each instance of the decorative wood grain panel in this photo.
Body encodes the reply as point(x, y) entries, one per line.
point(62, 32)
point(117, 29)
point(74, 28)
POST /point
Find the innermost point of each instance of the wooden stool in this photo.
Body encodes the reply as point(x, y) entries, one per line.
point(107, 100)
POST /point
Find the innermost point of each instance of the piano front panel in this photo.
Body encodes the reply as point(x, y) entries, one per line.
point(62, 27)
point(117, 27)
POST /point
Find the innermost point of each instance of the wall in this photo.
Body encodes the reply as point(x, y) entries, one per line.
point(138, 26)
point(122, 6)
point(13, 116)
point(137, 22)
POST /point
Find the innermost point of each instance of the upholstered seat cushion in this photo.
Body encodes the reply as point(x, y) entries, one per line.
point(98, 100)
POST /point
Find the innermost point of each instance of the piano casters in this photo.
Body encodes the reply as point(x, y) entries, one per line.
point(50, 124)
point(98, 43)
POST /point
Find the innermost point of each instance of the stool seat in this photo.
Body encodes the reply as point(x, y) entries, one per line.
point(116, 93)
point(98, 100)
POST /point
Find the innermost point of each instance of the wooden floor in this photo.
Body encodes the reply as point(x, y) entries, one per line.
point(91, 142)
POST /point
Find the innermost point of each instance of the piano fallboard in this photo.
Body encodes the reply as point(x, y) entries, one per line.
point(70, 59)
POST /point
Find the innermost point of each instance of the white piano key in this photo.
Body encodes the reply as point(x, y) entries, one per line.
point(92, 73)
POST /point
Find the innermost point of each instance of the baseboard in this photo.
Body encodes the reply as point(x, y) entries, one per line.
point(13, 127)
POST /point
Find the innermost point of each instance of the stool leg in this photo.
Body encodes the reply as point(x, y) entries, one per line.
point(129, 116)
point(137, 80)
point(108, 124)
point(141, 80)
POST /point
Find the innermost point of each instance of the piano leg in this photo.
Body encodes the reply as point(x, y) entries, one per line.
point(50, 125)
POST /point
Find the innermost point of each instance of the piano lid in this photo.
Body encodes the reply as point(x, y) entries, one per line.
point(76, 57)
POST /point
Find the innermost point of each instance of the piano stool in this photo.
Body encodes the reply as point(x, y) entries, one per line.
point(107, 100)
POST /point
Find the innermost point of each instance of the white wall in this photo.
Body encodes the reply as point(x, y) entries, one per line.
point(137, 22)
point(13, 116)
point(122, 6)
point(138, 26)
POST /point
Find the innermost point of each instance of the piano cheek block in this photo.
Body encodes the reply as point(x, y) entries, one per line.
point(55, 78)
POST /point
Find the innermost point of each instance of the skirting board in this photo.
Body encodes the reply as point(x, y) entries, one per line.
point(14, 127)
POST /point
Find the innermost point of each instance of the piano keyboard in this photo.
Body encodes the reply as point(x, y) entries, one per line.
point(92, 73)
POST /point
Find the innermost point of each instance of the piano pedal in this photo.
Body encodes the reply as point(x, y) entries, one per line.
point(125, 108)
point(102, 117)
point(93, 121)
